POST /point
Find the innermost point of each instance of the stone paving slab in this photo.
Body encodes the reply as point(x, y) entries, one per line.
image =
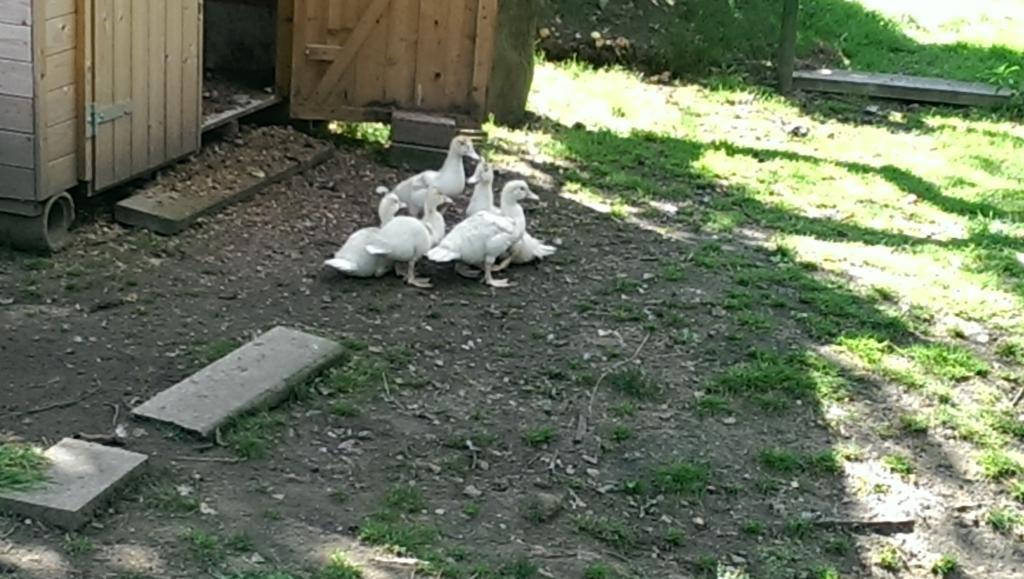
point(81, 478)
point(259, 374)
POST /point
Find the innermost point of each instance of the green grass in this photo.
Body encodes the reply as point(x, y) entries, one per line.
point(898, 464)
point(612, 532)
point(787, 462)
point(635, 383)
point(945, 566)
point(339, 567)
point(21, 466)
point(165, 497)
point(208, 352)
point(252, 436)
point(78, 545)
point(890, 558)
point(345, 408)
point(539, 436)
point(621, 433)
point(405, 498)
point(908, 37)
point(999, 465)
point(683, 478)
point(1004, 519)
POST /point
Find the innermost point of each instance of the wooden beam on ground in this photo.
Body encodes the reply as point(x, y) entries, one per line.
point(786, 58)
point(895, 86)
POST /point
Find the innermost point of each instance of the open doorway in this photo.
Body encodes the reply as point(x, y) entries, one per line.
point(239, 56)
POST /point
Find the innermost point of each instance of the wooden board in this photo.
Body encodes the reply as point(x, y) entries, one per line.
point(146, 86)
point(348, 58)
point(902, 87)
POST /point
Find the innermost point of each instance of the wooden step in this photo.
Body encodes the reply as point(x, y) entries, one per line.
point(221, 174)
point(901, 87)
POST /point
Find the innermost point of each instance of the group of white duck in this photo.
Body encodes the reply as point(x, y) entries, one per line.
point(489, 238)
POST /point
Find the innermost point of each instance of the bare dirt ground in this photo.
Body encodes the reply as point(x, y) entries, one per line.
point(553, 429)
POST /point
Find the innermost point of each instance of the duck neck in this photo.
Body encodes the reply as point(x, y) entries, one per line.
point(452, 163)
point(386, 214)
point(483, 192)
point(513, 210)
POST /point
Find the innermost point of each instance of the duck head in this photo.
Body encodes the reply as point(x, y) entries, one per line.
point(462, 146)
point(484, 173)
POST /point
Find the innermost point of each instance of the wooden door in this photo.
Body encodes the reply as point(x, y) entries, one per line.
point(358, 59)
point(145, 86)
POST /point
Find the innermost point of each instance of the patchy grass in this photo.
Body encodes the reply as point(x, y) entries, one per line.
point(168, 498)
point(635, 383)
point(612, 532)
point(999, 465)
point(209, 352)
point(539, 436)
point(339, 566)
point(898, 464)
point(21, 466)
point(890, 558)
point(78, 545)
point(1004, 519)
point(683, 478)
point(945, 566)
point(252, 436)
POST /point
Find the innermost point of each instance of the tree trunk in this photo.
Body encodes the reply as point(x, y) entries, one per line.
point(513, 61)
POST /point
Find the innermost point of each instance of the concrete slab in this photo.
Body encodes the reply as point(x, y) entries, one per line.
point(415, 128)
point(259, 374)
point(82, 477)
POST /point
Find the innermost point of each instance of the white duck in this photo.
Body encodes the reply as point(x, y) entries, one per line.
point(481, 239)
point(353, 259)
point(450, 180)
point(483, 189)
point(527, 249)
point(408, 239)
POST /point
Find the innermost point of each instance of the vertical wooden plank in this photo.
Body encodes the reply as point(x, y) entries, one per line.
point(84, 88)
point(400, 67)
point(430, 55)
point(140, 86)
point(39, 105)
point(285, 35)
point(300, 64)
point(104, 90)
point(483, 56)
point(122, 127)
point(344, 90)
point(190, 74)
point(368, 85)
point(455, 71)
point(157, 84)
point(173, 101)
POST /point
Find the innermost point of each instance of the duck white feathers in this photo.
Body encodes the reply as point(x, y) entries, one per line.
point(450, 180)
point(352, 258)
point(407, 239)
point(484, 237)
point(483, 189)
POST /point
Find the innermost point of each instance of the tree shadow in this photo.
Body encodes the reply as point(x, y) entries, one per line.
point(695, 36)
point(806, 316)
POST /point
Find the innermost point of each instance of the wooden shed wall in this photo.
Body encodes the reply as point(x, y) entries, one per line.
point(17, 100)
point(61, 122)
point(352, 57)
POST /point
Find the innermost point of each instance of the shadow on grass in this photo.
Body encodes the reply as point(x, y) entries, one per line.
point(695, 36)
point(799, 335)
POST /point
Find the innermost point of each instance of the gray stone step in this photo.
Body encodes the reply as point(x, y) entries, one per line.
point(82, 476)
point(259, 374)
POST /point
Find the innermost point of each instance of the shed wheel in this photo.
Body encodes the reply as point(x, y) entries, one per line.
point(48, 231)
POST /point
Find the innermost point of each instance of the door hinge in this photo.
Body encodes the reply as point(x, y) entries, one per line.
point(97, 115)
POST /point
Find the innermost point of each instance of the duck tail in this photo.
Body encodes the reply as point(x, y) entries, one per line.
point(442, 254)
point(340, 264)
point(382, 190)
point(536, 248)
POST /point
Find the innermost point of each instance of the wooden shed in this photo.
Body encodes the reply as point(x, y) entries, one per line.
point(94, 93)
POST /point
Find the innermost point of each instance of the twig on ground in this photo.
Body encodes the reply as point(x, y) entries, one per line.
point(224, 459)
point(117, 414)
point(40, 409)
point(882, 526)
point(616, 366)
point(1017, 398)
